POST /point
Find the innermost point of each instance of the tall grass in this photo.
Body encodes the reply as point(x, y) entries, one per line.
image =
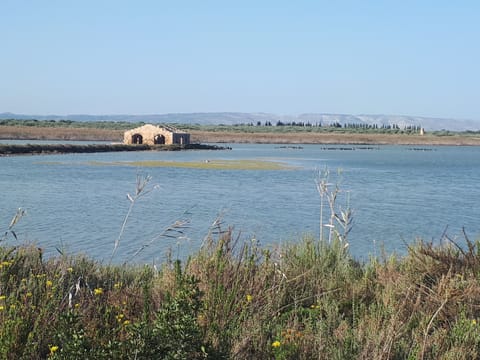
point(239, 300)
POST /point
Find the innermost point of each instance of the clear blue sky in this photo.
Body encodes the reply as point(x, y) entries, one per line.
point(284, 57)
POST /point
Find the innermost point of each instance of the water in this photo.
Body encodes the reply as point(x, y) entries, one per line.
point(397, 194)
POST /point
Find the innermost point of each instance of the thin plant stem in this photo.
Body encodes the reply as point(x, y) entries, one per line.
point(140, 190)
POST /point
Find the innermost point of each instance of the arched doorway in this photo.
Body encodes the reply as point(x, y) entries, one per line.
point(137, 139)
point(159, 140)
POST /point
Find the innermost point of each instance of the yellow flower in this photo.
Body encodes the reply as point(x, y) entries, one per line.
point(3, 297)
point(249, 298)
point(49, 283)
point(77, 305)
point(53, 349)
point(474, 322)
point(29, 294)
point(70, 269)
point(126, 322)
point(98, 291)
point(120, 317)
point(2, 308)
point(12, 307)
point(276, 344)
point(117, 285)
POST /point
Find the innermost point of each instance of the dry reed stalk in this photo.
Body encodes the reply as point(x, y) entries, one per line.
point(337, 215)
point(140, 191)
point(16, 218)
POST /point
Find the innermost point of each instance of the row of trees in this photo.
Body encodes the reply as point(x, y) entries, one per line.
point(120, 125)
point(339, 125)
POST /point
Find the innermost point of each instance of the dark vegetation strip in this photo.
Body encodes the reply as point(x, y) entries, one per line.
point(94, 148)
point(110, 125)
point(238, 128)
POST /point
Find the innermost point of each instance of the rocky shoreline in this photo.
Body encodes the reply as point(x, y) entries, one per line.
point(35, 149)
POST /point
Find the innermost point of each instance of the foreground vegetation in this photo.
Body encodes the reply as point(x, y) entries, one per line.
point(304, 301)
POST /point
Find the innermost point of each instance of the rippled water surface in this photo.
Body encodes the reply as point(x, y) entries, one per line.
point(398, 193)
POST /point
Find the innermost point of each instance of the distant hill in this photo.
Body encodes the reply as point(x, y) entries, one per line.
point(232, 118)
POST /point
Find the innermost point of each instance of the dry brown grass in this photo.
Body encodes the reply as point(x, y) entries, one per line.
point(200, 136)
point(51, 133)
point(332, 138)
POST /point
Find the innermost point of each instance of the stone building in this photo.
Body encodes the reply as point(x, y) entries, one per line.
point(156, 135)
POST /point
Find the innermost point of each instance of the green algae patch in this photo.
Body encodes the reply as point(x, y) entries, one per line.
point(207, 164)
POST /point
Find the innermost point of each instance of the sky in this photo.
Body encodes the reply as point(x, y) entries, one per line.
point(404, 57)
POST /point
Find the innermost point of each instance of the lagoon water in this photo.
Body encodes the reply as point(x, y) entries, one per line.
point(397, 193)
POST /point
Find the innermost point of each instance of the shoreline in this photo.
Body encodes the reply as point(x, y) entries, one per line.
point(37, 149)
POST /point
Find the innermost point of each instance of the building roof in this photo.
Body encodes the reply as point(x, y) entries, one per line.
point(150, 127)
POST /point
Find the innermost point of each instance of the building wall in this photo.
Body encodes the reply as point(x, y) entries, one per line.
point(180, 138)
point(147, 133)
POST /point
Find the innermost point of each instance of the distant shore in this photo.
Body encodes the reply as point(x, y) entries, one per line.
point(201, 136)
point(334, 138)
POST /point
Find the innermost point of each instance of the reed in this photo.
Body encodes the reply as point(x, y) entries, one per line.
point(239, 300)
